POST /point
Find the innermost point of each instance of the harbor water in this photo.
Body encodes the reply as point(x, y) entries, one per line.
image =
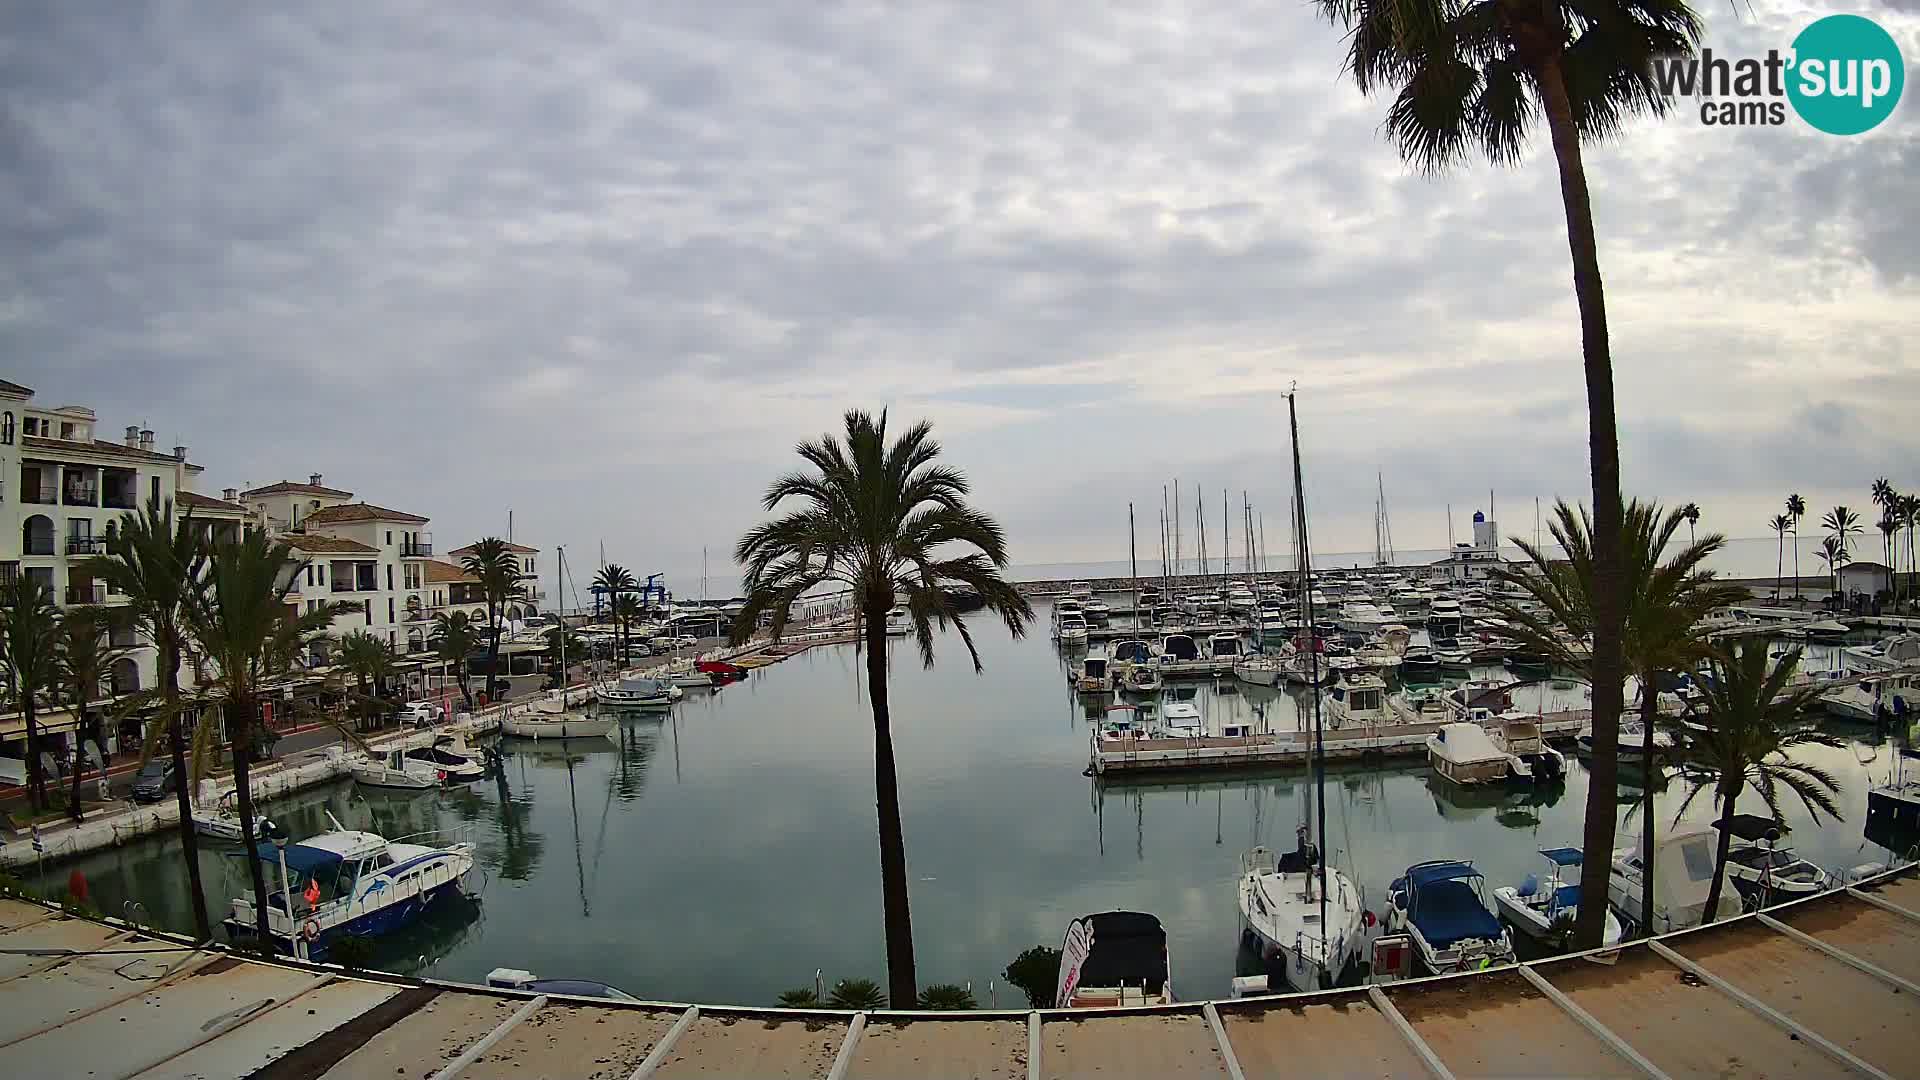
point(726, 851)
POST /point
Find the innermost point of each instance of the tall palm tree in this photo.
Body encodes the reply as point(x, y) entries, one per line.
point(1780, 524)
point(1691, 512)
point(454, 638)
point(627, 610)
point(614, 581)
point(370, 662)
point(1841, 524)
point(247, 627)
point(1834, 554)
point(1889, 526)
point(1474, 78)
point(1746, 737)
point(1666, 602)
point(885, 521)
point(29, 642)
point(497, 570)
point(84, 658)
point(157, 561)
point(1910, 517)
point(1796, 509)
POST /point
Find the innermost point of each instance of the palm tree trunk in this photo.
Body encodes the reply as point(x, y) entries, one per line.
point(79, 760)
point(36, 780)
point(1649, 708)
point(493, 655)
point(886, 792)
point(1729, 795)
point(182, 799)
point(1796, 561)
point(1779, 565)
point(239, 721)
point(1604, 453)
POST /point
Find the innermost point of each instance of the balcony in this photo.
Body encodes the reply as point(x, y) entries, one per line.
point(86, 545)
point(418, 548)
point(37, 496)
point(342, 586)
point(91, 593)
point(120, 499)
point(82, 495)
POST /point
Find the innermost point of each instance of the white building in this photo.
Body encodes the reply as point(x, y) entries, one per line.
point(530, 591)
point(1865, 578)
point(1474, 562)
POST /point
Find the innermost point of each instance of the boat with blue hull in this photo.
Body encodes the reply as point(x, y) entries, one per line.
point(343, 883)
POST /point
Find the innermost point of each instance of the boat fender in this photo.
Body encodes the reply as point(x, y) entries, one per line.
point(1368, 919)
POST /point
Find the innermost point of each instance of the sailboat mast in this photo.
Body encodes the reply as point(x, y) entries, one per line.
point(1177, 553)
point(1133, 553)
point(1313, 667)
point(1226, 539)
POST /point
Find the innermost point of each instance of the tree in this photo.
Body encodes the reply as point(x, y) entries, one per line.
point(497, 571)
point(1910, 517)
point(1037, 973)
point(158, 562)
point(563, 642)
point(627, 610)
point(1842, 524)
point(1780, 524)
point(885, 521)
point(1796, 509)
point(614, 581)
point(1474, 78)
point(29, 639)
point(246, 626)
point(947, 997)
point(1747, 733)
point(84, 658)
point(1665, 603)
point(454, 640)
point(1889, 526)
point(803, 998)
point(370, 662)
point(1691, 512)
point(1834, 554)
point(861, 994)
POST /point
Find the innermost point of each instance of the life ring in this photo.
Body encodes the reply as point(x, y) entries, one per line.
point(311, 930)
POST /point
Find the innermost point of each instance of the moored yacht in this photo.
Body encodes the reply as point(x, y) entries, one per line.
point(638, 693)
point(1442, 906)
point(1358, 700)
point(1680, 888)
point(1280, 905)
point(1544, 907)
point(1177, 648)
point(899, 624)
point(1112, 959)
point(1464, 753)
point(1764, 872)
point(1070, 630)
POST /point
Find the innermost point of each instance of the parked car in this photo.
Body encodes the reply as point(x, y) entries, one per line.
point(683, 642)
point(422, 713)
point(154, 781)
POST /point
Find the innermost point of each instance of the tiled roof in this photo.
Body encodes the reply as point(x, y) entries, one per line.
point(208, 502)
point(289, 487)
point(331, 545)
point(111, 449)
point(518, 549)
point(360, 511)
point(15, 388)
point(441, 573)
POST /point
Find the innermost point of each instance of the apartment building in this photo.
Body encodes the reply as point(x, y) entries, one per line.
point(372, 557)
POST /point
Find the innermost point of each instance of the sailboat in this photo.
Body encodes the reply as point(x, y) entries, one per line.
point(1308, 918)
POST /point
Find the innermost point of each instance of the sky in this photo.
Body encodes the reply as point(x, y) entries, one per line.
point(603, 264)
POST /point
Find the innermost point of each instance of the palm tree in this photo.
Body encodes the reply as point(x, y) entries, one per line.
point(84, 659)
point(454, 639)
point(1691, 512)
point(1780, 524)
point(1666, 602)
point(157, 561)
point(627, 610)
point(884, 521)
point(1834, 555)
point(1910, 517)
point(1474, 78)
point(1796, 509)
point(1841, 524)
point(1889, 502)
point(1746, 738)
point(29, 640)
point(497, 571)
point(246, 626)
point(614, 581)
point(369, 661)
point(1889, 526)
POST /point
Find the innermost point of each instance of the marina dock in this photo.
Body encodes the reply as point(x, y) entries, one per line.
point(1825, 986)
point(1284, 748)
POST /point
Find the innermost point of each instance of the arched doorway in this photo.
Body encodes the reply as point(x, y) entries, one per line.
point(124, 676)
point(36, 535)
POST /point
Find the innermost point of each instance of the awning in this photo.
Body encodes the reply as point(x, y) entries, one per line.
point(301, 858)
point(1428, 873)
point(1563, 856)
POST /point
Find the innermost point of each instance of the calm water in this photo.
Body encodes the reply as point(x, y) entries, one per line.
point(725, 853)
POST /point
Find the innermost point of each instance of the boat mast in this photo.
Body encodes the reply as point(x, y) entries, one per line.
point(1226, 539)
point(1313, 667)
point(1176, 527)
point(1133, 554)
point(562, 549)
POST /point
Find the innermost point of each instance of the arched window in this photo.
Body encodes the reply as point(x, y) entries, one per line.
point(6, 427)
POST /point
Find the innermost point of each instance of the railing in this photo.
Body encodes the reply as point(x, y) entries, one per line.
point(416, 549)
point(115, 500)
point(39, 546)
point(41, 498)
point(95, 593)
point(86, 545)
point(343, 586)
point(83, 496)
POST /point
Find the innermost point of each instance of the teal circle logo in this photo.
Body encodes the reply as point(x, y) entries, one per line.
point(1846, 75)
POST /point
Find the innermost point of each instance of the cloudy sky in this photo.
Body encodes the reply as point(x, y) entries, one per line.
point(605, 265)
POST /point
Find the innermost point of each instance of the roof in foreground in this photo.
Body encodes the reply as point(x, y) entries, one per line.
point(444, 573)
point(360, 511)
point(1821, 987)
point(518, 549)
point(330, 545)
point(291, 487)
point(107, 449)
point(208, 502)
point(7, 387)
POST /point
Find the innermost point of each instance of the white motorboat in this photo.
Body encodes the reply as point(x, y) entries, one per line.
point(1114, 958)
point(1364, 617)
point(1097, 610)
point(450, 755)
point(1071, 630)
point(1373, 656)
point(1225, 647)
point(1358, 700)
point(638, 692)
point(1067, 605)
point(1899, 651)
point(1441, 905)
point(1464, 753)
point(223, 821)
point(1477, 700)
point(1864, 700)
point(1181, 720)
point(684, 672)
point(899, 624)
point(1529, 757)
point(1420, 706)
point(527, 982)
point(1764, 872)
point(1683, 874)
point(1543, 908)
point(542, 724)
point(1280, 906)
point(1177, 648)
point(1260, 670)
point(394, 771)
point(1080, 590)
point(348, 883)
point(1632, 739)
point(1093, 675)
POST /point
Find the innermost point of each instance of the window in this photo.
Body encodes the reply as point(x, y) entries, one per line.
point(1699, 856)
point(309, 573)
point(382, 861)
point(323, 573)
point(66, 431)
point(6, 428)
point(33, 425)
point(390, 604)
point(366, 611)
point(389, 570)
point(389, 537)
point(155, 489)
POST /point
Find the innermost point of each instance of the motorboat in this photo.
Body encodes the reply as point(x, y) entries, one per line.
point(222, 822)
point(1181, 720)
point(1442, 906)
point(1280, 907)
point(1241, 598)
point(1134, 677)
point(684, 673)
point(1899, 651)
point(1080, 590)
point(1092, 676)
point(1529, 758)
point(1682, 875)
point(1114, 958)
point(1358, 700)
point(1544, 908)
point(1132, 650)
point(347, 883)
point(1764, 872)
point(1225, 646)
point(1423, 705)
point(1464, 753)
point(638, 692)
point(1260, 669)
point(1177, 648)
point(1272, 622)
point(1528, 665)
point(898, 623)
point(1478, 699)
point(449, 755)
point(1067, 605)
point(1098, 610)
point(1365, 617)
point(1865, 700)
point(528, 982)
point(538, 724)
point(1071, 630)
point(394, 771)
point(1633, 739)
point(1369, 656)
point(1418, 664)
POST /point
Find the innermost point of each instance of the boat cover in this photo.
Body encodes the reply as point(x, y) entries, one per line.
point(1754, 827)
point(1449, 911)
point(1563, 856)
point(1129, 946)
point(301, 858)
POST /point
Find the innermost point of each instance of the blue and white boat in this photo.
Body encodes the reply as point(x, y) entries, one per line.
point(1443, 907)
point(345, 882)
point(1539, 903)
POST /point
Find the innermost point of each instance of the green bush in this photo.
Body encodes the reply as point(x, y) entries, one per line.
point(1036, 972)
point(803, 998)
point(947, 996)
point(857, 994)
